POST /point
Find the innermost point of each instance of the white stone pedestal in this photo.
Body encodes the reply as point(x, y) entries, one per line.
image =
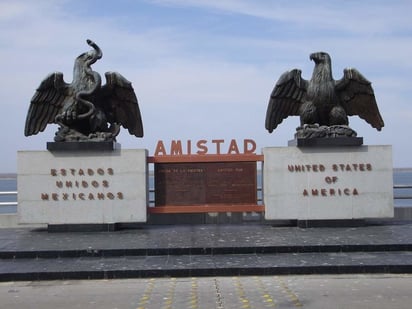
point(82, 187)
point(327, 183)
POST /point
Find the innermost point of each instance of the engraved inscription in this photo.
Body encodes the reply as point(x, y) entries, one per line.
point(205, 183)
point(93, 184)
point(331, 180)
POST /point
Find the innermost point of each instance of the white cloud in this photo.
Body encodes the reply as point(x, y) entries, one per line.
point(352, 16)
point(217, 90)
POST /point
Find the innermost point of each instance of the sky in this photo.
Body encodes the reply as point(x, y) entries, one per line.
point(204, 69)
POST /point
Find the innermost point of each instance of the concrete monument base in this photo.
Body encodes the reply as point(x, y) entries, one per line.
point(83, 146)
point(327, 142)
point(82, 187)
point(328, 183)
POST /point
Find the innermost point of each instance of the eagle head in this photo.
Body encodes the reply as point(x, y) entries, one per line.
point(320, 57)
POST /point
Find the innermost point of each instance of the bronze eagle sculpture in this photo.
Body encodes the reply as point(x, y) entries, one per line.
point(84, 109)
point(323, 101)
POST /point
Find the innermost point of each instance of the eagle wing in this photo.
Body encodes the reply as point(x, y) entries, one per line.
point(119, 102)
point(48, 100)
point(357, 97)
point(286, 98)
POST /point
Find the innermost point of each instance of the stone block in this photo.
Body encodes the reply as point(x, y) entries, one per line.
point(324, 183)
point(78, 187)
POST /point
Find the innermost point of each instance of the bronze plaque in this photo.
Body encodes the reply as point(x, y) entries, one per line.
point(205, 183)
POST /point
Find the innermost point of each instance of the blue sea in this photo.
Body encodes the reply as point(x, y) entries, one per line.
point(400, 177)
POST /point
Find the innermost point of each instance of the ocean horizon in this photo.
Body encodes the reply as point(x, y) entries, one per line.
point(401, 176)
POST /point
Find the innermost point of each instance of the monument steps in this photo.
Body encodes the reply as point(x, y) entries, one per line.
point(205, 250)
point(205, 265)
point(107, 253)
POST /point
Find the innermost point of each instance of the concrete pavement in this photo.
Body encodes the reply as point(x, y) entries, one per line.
point(309, 291)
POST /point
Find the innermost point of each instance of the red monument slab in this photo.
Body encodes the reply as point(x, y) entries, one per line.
point(200, 183)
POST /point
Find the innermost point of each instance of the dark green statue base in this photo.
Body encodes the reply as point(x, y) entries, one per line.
point(83, 146)
point(326, 142)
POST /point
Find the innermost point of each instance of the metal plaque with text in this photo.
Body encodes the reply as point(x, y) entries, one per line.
point(205, 183)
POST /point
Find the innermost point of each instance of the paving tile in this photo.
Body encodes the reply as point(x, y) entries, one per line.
point(204, 250)
point(197, 237)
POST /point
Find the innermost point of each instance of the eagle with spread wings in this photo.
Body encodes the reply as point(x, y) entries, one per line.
point(322, 100)
point(84, 109)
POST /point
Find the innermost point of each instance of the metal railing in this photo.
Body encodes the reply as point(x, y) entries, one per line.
point(395, 197)
point(402, 197)
point(9, 193)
